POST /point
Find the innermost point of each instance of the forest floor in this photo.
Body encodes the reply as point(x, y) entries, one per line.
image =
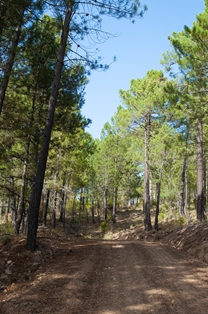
point(123, 270)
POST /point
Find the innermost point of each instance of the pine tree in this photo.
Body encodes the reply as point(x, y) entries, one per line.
point(143, 101)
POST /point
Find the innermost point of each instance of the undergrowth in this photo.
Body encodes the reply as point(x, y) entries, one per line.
point(6, 233)
point(104, 226)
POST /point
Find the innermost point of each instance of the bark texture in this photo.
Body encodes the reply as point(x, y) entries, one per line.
point(200, 173)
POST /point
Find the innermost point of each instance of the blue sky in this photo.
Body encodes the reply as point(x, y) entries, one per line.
point(138, 48)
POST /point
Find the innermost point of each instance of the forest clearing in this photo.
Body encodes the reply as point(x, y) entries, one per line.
point(122, 270)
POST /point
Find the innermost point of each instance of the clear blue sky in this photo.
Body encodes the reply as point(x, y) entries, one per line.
point(138, 48)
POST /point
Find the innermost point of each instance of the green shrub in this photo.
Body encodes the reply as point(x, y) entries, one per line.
point(104, 226)
point(6, 232)
point(6, 228)
point(110, 217)
point(153, 203)
point(5, 239)
point(161, 216)
point(181, 221)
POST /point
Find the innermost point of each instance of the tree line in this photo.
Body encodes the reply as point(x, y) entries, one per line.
point(163, 117)
point(153, 150)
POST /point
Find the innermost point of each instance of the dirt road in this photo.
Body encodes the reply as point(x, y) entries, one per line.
point(109, 277)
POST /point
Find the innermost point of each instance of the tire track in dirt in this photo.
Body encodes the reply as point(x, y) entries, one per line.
point(179, 285)
point(115, 277)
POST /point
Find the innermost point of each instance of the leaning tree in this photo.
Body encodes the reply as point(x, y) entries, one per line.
point(79, 21)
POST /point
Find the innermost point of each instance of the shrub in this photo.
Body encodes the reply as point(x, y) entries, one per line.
point(5, 239)
point(6, 232)
point(161, 216)
point(181, 221)
point(110, 217)
point(104, 226)
point(6, 228)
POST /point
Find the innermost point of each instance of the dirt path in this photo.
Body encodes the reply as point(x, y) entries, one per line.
point(113, 277)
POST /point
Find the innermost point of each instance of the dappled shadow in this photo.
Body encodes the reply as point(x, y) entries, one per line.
point(109, 277)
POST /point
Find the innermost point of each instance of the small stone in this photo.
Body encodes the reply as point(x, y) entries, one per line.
point(35, 264)
point(3, 276)
point(8, 271)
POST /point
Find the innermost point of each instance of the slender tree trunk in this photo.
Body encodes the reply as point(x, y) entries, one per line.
point(186, 198)
point(40, 174)
point(158, 189)
point(205, 182)
point(93, 211)
point(10, 61)
point(98, 211)
point(8, 210)
point(62, 201)
point(115, 194)
point(86, 211)
point(1, 208)
point(150, 190)
point(158, 186)
point(64, 211)
point(200, 206)
point(105, 203)
point(21, 212)
point(182, 190)
point(81, 203)
point(73, 207)
point(84, 203)
point(46, 208)
point(61, 217)
point(147, 218)
point(13, 205)
point(54, 210)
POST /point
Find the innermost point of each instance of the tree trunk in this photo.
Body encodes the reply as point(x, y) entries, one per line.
point(10, 61)
point(98, 211)
point(37, 187)
point(1, 208)
point(46, 208)
point(115, 194)
point(186, 197)
point(158, 189)
point(200, 205)
point(54, 210)
point(182, 191)
point(73, 207)
point(147, 219)
point(21, 212)
point(64, 211)
point(93, 211)
point(158, 185)
point(13, 205)
point(61, 216)
point(205, 183)
point(8, 210)
point(81, 203)
point(62, 201)
point(105, 203)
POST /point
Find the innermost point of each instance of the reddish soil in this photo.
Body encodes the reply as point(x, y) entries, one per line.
point(79, 275)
